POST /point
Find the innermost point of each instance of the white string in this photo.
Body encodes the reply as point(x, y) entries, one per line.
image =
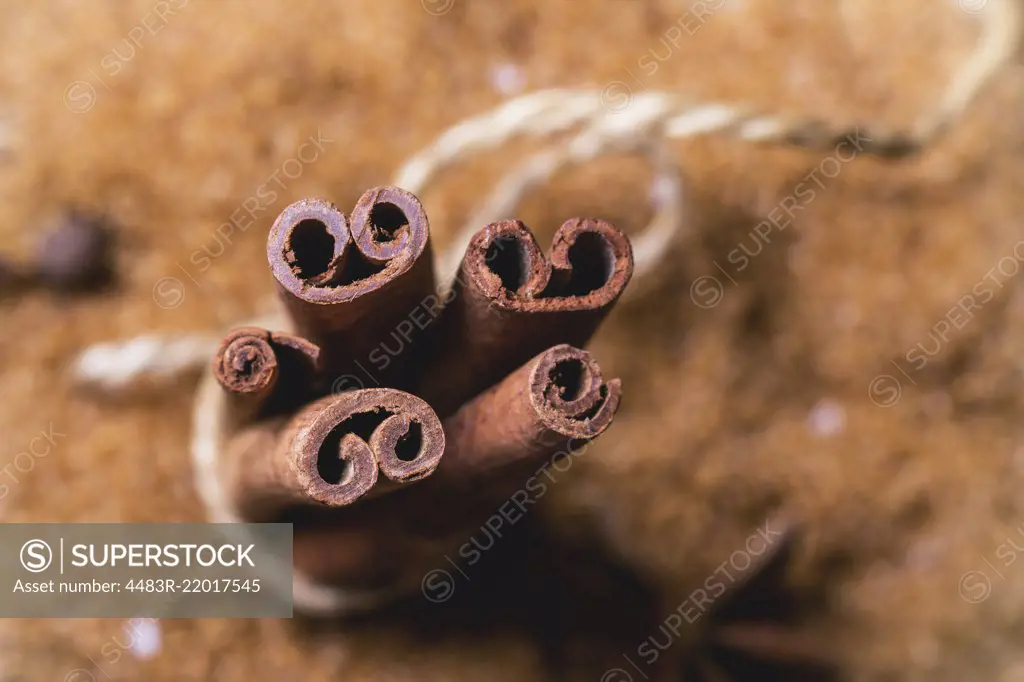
point(119, 364)
point(668, 116)
point(645, 127)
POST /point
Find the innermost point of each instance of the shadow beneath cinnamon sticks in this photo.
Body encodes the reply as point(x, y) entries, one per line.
point(581, 607)
point(759, 632)
point(589, 616)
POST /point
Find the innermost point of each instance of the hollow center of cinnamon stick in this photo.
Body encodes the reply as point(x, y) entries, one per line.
point(332, 468)
point(386, 221)
point(311, 248)
point(329, 465)
point(247, 363)
point(408, 447)
point(571, 378)
point(508, 258)
point(593, 264)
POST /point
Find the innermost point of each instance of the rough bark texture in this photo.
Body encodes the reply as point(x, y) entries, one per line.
point(760, 401)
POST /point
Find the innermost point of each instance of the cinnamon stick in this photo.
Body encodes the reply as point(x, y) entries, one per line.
point(509, 303)
point(263, 372)
point(348, 286)
point(558, 397)
point(554, 403)
point(329, 453)
point(772, 642)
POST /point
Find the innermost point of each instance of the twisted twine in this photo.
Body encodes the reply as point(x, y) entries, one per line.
point(646, 126)
point(650, 120)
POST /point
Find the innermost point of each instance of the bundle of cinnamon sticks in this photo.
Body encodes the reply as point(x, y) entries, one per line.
point(390, 416)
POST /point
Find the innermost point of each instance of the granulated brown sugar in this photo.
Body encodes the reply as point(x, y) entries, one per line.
point(781, 395)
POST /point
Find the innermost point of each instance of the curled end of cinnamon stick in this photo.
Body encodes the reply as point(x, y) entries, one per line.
point(255, 367)
point(591, 263)
point(570, 395)
point(245, 363)
point(317, 256)
point(339, 443)
point(594, 259)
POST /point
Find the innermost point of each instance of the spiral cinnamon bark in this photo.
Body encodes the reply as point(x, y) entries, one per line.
point(330, 452)
point(495, 443)
point(347, 286)
point(510, 302)
point(262, 372)
point(558, 397)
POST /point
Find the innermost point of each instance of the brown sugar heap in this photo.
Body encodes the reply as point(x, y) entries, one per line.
point(782, 396)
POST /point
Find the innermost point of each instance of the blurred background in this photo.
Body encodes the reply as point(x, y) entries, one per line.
point(849, 370)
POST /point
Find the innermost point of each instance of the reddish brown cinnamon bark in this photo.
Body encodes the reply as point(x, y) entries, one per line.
point(509, 303)
point(329, 453)
point(551, 405)
point(263, 372)
point(558, 397)
point(349, 285)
